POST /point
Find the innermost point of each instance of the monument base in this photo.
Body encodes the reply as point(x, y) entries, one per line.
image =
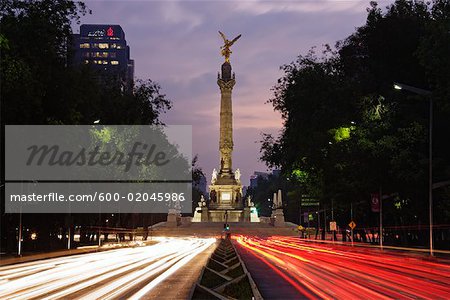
point(246, 215)
point(226, 195)
point(278, 218)
point(197, 215)
point(222, 215)
point(254, 215)
point(218, 215)
point(173, 218)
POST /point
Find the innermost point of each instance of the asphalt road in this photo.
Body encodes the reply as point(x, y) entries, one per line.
point(285, 267)
point(130, 273)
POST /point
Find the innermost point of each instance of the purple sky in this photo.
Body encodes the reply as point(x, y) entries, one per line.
point(177, 45)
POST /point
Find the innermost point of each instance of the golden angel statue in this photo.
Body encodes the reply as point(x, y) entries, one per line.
point(226, 52)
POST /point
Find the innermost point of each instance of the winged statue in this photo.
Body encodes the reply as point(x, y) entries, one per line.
point(226, 52)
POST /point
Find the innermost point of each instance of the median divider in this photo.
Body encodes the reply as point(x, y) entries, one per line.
point(225, 276)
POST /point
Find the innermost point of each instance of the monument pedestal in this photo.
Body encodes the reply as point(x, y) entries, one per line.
point(222, 215)
point(226, 197)
point(246, 216)
point(254, 215)
point(204, 214)
point(278, 217)
point(173, 218)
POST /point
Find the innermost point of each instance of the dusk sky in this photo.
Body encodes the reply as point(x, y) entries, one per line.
point(177, 45)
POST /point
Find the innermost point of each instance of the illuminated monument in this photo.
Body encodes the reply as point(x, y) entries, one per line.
point(226, 201)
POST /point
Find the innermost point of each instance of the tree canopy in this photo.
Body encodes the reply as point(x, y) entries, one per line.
point(346, 130)
point(39, 86)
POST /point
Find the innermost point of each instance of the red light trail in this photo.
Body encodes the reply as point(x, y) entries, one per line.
point(343, 272)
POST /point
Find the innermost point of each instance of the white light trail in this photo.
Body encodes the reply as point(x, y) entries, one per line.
point(101, 275)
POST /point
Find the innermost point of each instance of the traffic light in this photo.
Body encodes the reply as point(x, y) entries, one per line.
point(226, 227)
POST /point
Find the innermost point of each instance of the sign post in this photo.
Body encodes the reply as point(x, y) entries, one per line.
point(352, 225)
point(377, 207)
point(351, 218)
point(381, 219)
point(333, 228)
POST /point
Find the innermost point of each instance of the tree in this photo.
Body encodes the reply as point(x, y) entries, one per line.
point(39, 86)
point(347, 132)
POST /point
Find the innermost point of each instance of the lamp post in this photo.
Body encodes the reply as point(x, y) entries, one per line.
point(422, 92)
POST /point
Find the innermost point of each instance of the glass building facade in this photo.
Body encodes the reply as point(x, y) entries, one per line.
point(105, 50)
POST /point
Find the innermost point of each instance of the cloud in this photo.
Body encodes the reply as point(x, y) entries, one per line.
point(176, 44)
point(259, 7)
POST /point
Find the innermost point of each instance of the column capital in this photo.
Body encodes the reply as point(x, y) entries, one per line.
point(226, 86)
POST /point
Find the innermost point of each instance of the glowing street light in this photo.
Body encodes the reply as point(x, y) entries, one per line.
point(401, 86)
point(427, 94)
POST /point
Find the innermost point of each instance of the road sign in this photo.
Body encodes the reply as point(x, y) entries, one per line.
point(352, 225)
point(333, 226)
point(307, 200)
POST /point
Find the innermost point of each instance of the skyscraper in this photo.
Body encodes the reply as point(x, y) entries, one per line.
point(105, 50)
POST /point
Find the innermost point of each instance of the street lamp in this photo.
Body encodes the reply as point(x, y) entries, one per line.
point(422, 92)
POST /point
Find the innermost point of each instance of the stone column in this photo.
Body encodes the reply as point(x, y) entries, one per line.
point(226, 83)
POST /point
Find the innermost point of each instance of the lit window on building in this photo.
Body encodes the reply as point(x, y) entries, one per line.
point(105, 62)
point(116, 46)
point(84, 45)
point(114, 62)
point(100, 54)
point(86, 61)
point(103, 45)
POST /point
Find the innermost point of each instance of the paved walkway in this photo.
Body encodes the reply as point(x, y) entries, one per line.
point(180, 284)
point(270, 284)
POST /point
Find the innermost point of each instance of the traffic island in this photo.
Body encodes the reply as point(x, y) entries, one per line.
point(225, 276)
